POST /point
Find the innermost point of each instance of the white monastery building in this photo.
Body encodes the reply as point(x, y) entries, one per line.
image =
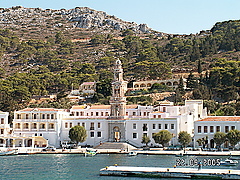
point(117, 122)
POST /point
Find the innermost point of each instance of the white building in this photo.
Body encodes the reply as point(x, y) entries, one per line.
point(117, 122)
point(210, 125)
point(5, 130)
point(37, 127)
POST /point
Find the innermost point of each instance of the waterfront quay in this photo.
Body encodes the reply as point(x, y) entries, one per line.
point(152, 151)
point(170, 172)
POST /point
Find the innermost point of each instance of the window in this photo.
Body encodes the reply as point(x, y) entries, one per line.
point(134, 126)
point(164, 109)
point(70, 125)
point(81, 113)
point(232, 127)
point(51, 126)
point(34, 116)
point(25, 126)
point(172, 126)
point(106, 113)
point(226, 129)
point(154, 116)
point(42, 126)
point(52, 116)
point(26, 116)
point(166, 126)
point(78, 124)
point(2, 131)
point(159, 116)
point(205, 129)
point(96, 113)
point(35, 134)
point(99, 134)
point(34, 125)
point(91, 113)
point(145, 134)
point(218, 129)
point(18, 116)
point(199, 129)
point(134, 113)
point(83, 124)
point(101, 113)
point(18, 125)
point(92, 126)
point(40, 134)
point(154, 126)
point(144, 113)
point(43, 116)
point(2, 120)
point(91, 134)
point(211, 129)
point(134, 135)
point(66, 125)
point(159, 126)
point(77, 113)
point(48, 116)
point(99, 125)
point(145, 127)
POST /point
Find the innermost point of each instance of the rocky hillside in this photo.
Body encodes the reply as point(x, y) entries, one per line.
point(47, 21)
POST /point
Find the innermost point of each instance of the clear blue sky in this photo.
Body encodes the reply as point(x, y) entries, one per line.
point(169, 16)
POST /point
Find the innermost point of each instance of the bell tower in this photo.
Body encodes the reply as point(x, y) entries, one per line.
point(118, 99)
point(117, 118)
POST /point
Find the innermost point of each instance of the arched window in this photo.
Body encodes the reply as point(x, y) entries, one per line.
point(52, 116)
point(175, 83)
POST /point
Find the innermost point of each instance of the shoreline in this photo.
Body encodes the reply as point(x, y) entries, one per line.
point(180, 153)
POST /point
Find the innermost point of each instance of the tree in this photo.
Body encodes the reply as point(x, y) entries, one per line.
point(191, 81)
point(162, 137)
point(199, 67)
point(219, 138)
point(233, 137)
point(184, 138)
point(77, 134)
point(145, 140)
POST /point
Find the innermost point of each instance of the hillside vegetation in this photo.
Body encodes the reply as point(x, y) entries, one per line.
point(39, 59)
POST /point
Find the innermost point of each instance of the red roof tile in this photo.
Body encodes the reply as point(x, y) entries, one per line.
point(222, 118)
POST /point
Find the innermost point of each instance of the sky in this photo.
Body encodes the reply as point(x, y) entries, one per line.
point(168, 16)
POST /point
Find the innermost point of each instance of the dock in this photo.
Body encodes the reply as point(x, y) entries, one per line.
point(189, 173)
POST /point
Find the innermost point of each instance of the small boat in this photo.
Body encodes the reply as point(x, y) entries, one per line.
point(132, 153)
point(90, 153)
point(228, 162)
point(8, 152)
point(234, 157)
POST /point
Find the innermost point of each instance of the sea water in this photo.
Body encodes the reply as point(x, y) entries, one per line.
point(76, 166)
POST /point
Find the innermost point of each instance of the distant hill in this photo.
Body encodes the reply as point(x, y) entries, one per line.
point(50, 51)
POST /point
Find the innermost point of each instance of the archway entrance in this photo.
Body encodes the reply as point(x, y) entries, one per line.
point(117, 136)
point(29, 143)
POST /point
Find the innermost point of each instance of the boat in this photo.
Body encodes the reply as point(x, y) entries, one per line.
point(132, 153)
point(234, 157)
point(8, 152)
point(228, 162)
point(90, 153)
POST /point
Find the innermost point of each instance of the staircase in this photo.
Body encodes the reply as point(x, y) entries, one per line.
point(115, 145)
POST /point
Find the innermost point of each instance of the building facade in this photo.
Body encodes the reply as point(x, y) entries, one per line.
point(117, 122)
point(207, 127)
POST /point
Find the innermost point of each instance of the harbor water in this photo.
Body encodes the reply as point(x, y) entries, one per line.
point(76, 166)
